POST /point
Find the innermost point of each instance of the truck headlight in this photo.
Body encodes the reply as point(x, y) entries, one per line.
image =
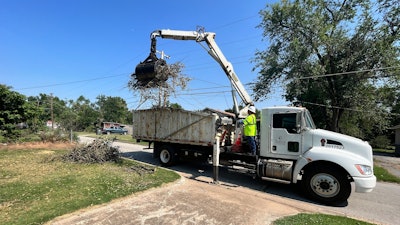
point(364, 169)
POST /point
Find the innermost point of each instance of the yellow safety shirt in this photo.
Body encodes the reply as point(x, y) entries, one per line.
point(250, 125)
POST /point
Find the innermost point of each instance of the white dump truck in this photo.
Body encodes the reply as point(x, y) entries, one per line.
point(290, 149)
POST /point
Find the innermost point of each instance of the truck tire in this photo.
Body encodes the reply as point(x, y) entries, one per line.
point(326, 185)
point(167, 155)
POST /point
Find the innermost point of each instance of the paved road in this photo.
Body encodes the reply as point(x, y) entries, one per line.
point(381, 206)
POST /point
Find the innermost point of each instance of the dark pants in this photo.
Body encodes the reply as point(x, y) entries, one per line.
point(251, 141)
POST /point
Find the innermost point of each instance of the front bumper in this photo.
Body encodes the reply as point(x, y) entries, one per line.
point(364, 184)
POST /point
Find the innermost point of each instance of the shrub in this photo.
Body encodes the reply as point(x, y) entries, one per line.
point(56, 135)
point(380, 142)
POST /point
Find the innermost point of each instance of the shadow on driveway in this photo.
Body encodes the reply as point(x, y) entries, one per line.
point(227, 177)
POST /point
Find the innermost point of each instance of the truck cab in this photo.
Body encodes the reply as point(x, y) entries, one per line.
point(324, 163)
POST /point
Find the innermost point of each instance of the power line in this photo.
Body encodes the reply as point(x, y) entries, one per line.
point(348, 109)
point(217, 87)
point(72, 82)
point(234, 22)
point(204, 93)
point(349, 72)
point(99, 78)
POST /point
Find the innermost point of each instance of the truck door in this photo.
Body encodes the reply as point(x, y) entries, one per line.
point(286, 138)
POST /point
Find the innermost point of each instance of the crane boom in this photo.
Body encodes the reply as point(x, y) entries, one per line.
point(213, 50)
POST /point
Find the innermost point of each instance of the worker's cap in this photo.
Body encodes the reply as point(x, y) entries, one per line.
point(252, 109)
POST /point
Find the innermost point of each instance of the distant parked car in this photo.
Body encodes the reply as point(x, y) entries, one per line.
point(114, 130)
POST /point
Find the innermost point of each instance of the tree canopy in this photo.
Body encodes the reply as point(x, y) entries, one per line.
point(14, 110)
point(112, 109)
point(18, 111)
point(340, 58)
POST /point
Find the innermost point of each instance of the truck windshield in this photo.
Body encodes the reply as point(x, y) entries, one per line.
point(309, 120)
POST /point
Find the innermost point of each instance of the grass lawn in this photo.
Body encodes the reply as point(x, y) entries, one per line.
point(35, 187)
point(383, 175)
point(389, 151)
point(318, 219)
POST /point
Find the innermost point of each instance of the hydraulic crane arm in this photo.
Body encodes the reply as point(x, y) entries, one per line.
point(213, 50)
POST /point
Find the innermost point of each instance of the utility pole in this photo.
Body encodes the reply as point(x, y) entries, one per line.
point(163, 55)
point(51, 111)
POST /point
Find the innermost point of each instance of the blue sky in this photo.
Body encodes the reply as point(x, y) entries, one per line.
point(90, 48)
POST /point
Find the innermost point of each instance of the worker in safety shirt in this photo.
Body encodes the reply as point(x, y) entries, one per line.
point(250, 128)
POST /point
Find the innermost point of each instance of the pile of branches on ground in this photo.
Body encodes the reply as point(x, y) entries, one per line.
point(98, 151)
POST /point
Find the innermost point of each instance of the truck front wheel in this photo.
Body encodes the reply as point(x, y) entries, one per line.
point(167, 156)
point(326, 185)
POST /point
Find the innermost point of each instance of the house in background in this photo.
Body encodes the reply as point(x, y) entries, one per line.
point(397, 139)
point(105, 125)
point(50, 124)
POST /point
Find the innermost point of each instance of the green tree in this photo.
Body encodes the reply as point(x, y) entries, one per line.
point(53, 108)
point(14, 109)
point(86, 114)
point(175, 105)
point(333, 56)
point(112, 109)
point(36, 123)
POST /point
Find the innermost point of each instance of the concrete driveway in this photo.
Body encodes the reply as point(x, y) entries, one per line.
point(190, 201)
point(194, 199)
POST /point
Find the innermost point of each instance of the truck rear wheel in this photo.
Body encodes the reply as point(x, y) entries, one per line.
point(326, 185)
point(167, 156)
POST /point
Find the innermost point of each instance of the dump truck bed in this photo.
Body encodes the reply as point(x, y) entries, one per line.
point(174, 126)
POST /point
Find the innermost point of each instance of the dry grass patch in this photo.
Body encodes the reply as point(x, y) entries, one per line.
point(37, 145)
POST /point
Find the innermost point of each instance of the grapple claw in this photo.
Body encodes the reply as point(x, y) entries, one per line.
point(149, 72)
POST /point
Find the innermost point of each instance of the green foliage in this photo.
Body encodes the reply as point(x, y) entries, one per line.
point(14, 110)
point(112, 109)
point(175, 105)
point(56, 135)
point(85, 115)
point(334, 58)
point(33, 113)
point(28, 136)
point(317, 219)
point(380, 141)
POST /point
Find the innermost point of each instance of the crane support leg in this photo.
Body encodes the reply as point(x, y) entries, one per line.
point(216, 152)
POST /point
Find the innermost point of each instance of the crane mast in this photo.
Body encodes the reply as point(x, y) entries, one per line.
point(213, 50)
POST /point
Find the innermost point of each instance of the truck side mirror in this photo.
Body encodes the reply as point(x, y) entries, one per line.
point(298, 128)
point(298, 122)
